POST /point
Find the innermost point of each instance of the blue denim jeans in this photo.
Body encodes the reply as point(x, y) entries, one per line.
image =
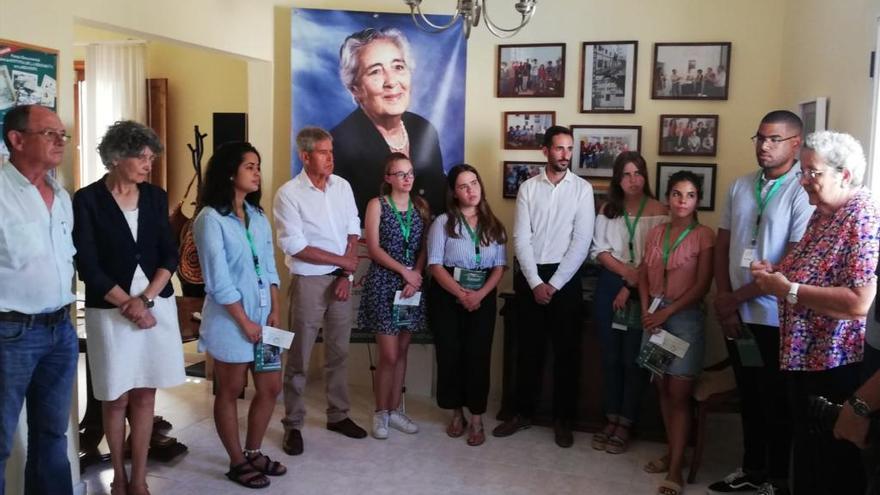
point(38, 363)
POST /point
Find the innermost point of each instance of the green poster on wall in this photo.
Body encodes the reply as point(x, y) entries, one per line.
point(28, 75)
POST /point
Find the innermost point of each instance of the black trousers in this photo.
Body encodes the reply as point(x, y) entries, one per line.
point(823, 465)
point(560, 322)
point(766, 421)
point(463, 343)
point(871, 455)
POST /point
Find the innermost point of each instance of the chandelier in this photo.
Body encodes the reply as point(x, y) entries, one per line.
point(469, 12)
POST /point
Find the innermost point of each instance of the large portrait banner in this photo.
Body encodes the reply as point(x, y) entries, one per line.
point(380, 85)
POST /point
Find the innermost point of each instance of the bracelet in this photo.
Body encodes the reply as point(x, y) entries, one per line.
point(251, 452)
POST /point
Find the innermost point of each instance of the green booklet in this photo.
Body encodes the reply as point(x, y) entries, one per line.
point(629, 317)
point(267, 357)
point(405, 311)
point(660, 350)
point(469, 279)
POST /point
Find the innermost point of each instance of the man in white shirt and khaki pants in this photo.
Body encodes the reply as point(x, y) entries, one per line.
point(552, 232)
point(317, 225)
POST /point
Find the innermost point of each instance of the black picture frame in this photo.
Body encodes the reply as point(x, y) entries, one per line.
point(608, 76)
point(703, 170)
point(514, 173)
point(702, 71)
point(688, 135)
point(513, 140)
point(514, 59)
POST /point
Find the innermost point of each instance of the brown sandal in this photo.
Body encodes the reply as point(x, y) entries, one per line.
point(456, 427)
point(476, 436)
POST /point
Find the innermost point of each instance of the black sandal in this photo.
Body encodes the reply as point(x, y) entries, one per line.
point(238, 473)
point(270, 467)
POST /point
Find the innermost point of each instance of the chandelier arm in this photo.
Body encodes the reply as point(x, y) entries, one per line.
point(506, 32)
point(431, 25)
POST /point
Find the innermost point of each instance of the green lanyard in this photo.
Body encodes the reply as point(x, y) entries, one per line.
point(475, 236)
point(762, 202)
point(250, 239)
point(631, 227)
point(667, 250)
point(405, 228)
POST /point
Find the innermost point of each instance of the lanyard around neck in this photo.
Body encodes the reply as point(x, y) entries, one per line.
point(405, 226)
point(631, 227)
point(475, 237)
point(667, 250)
point(763, 201)
point(250, 239)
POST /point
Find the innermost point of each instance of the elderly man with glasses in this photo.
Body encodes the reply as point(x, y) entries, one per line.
point(38, 345)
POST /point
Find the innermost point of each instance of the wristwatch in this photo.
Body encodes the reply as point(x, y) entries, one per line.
point(791, 297)
point(147, 301)
point(859, 406)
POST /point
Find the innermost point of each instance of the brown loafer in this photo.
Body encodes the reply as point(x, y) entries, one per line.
point(511, 426)
point(348, 428)
point(562, 434)
point(293, 442)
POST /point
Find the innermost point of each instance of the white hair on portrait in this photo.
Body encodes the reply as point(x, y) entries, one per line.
point(839, 151)
point(352, 46)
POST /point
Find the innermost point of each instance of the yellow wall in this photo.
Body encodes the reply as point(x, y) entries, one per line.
point(200, 82)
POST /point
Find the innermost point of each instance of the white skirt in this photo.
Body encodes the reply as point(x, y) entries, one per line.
point(123, 357)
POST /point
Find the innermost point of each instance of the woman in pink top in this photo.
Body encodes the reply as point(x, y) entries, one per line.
point(677, 271)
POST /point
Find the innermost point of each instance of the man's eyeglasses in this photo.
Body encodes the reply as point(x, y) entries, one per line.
point(51, 134)
point(403, 175)
point(774, 141)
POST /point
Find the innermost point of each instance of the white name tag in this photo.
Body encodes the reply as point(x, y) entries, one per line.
point(670, 342)
point(655, 304)
point(747, 258)
point(412, 300)
point(277, 337)
point(264, 297)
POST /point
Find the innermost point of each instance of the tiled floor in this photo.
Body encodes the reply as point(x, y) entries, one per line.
point(426, 463)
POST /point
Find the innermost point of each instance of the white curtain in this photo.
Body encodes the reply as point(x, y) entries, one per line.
point(115, 89)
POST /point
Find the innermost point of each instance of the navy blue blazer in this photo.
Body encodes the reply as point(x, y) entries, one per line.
point(107, 254)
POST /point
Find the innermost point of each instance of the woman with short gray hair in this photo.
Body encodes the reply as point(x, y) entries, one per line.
point(376, 67)
point(125, 256)
point(825, 286)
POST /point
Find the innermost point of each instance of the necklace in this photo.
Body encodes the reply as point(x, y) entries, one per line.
point(404, 140)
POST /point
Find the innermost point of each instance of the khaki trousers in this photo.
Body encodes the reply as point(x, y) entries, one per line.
point(313, 303)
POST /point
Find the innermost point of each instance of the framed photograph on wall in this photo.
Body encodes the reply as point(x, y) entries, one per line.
point(596, 147)
point(705, 171)
point(515, 173)
point(689, 135)
point(608, 76)
point(691, 71)
point(525, 130)
point(814, 114)
point(533, 70)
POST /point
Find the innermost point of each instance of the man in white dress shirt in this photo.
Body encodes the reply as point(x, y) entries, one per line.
point(552, 232)
point(38, 345)
point(317, 224)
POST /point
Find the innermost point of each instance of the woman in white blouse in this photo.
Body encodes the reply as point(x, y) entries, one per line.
point(618, 244)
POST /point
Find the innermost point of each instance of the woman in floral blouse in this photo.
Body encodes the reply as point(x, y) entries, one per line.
point(825, 286)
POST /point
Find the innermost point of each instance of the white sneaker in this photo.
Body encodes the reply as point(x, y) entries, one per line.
point(400, 421)
point(380, 425)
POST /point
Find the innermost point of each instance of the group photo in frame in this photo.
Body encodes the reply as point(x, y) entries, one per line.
point(515, 173)
point(705, 171)
point(525, 130)
point(688, 135)
point(531, 70)
point(597, 146)
point(691, 71)
point(608, 76)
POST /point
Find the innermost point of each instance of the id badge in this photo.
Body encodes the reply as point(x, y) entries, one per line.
point(749, 255)
point(655, 304)
point(264, 297)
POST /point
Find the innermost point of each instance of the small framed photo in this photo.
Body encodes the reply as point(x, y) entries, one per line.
point(691, 71)
point(608, 77)
point(525, 130)
point(814, 114)
point(689, 135)
point(534, 70)
point(706, 173)
point(515, 173)
point(596, 147)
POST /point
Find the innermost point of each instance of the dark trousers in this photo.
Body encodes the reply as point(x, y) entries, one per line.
point(871, 455)
point(623, 381)
point(560, 322)
point(463, 343)
point(823, 465)
point(766, 421)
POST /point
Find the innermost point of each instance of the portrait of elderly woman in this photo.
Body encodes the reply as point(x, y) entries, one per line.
point(376, 66)
point(825, 286)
